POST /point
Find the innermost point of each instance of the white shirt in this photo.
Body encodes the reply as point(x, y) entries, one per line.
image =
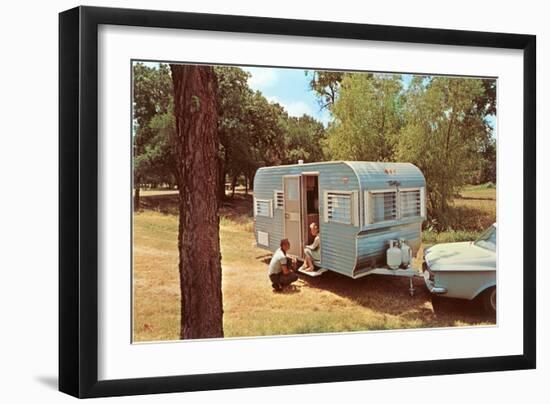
point(277, 261)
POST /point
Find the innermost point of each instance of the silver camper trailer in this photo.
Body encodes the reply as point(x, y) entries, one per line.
point(361, 208)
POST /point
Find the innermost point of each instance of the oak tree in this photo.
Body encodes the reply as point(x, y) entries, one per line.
point(197, 144)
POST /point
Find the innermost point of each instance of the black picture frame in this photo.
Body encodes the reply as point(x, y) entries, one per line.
point(78, 200)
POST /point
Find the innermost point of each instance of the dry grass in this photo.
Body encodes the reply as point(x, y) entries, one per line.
point(472, 211)
point(330, 303)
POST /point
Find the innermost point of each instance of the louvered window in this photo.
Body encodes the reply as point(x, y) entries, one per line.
point(262, 207)
point(410, 203)
point(279, 200)
point(383, 206)
point(339, 208)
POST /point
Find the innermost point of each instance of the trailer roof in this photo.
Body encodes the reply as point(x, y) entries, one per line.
point(372, 174)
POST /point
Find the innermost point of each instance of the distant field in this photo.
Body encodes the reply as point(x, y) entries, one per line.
point(473, 210)
point(330, 303)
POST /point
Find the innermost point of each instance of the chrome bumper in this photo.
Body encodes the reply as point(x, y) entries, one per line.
point(436, 290)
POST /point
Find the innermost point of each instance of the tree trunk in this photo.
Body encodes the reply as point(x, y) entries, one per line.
point(233, 185)
point(197, 142)
point(136, 193)
point(221, 186)
point(251, 182)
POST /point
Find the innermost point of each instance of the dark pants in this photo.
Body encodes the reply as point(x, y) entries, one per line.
point(282, 279)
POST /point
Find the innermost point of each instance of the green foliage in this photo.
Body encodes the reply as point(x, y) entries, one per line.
point(233, 108)
point(366, 118)
point(152, 91)
point(327, 86)
point(437, 123)
point(431, 236)
point(303, 140)
point(442, 135)
point(255, 132)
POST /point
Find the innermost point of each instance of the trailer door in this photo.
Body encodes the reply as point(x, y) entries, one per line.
point(292, 222)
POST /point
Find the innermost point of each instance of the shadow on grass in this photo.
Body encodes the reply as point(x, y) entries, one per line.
point(390, 295)
point(237, 209)
point(476, 198)
point(167, 204)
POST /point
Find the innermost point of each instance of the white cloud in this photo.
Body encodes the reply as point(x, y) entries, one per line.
point(298, 108)
point(261, 78)
point(293, 108)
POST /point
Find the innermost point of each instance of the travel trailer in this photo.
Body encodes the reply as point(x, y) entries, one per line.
point(367, 213)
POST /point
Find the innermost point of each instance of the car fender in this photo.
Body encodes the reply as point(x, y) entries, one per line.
point(484, 288)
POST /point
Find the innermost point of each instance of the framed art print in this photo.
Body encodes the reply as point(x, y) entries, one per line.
point(251, 201)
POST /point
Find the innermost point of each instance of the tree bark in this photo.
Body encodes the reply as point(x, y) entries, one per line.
point(136, 193)
point(221, 186)
point(197, 142)
point(233, 185)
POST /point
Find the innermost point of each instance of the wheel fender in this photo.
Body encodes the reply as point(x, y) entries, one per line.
point(483, 289)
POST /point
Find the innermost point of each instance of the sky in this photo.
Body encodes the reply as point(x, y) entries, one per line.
point(290, 89)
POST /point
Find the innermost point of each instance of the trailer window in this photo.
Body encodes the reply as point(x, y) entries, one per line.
point(383, 206)
point(262, 207)
point(410, 203)
point(339, 208)
point(279, 200)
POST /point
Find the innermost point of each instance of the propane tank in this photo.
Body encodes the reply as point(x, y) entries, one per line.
point(406, 253)
point(393, 255)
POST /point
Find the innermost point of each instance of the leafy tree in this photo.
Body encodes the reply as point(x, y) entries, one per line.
point(327, 86)
point(304, 137)
point(160, 156)
point(234, 100)
point(443, 134)
point(487, 171)
point(152, 95)
point(266, 129)
point(366, 118)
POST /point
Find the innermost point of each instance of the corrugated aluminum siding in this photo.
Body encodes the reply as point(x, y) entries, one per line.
point(372, 176)
point(343, 246)
point(337, 240)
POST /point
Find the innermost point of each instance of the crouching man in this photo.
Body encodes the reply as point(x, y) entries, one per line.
point(280, 268)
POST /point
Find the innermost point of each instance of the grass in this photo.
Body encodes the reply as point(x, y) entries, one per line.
point(330, 303)
point(472, 211)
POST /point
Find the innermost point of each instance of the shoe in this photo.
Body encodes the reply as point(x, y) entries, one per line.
point(277, 288)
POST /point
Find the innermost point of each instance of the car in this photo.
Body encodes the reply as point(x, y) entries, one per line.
point(465, 270)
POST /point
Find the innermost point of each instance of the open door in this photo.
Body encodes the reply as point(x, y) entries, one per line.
point(293, 219)
point(310, 205)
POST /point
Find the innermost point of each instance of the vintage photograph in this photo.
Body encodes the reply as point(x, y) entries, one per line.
point(272, 201)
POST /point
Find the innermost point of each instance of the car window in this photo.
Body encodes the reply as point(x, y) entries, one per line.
point(488, 239)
